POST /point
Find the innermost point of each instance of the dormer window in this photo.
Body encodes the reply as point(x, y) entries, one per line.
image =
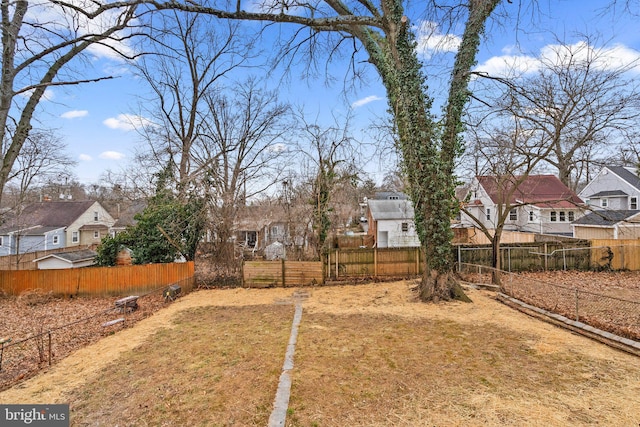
point(95, 215)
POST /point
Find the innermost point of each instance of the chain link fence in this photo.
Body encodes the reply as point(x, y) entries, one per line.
point(616, 315)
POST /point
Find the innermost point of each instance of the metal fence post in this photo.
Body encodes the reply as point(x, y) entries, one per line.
point(49, 348)
point(577, 305)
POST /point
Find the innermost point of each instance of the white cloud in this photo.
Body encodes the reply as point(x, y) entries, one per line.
point(278, 148)
point(48, 94)
point(365, 101)
point(431, 40)
point(111, 155)
point(73, 114)
point(509, 65)
point(127, 122)
point(606, 58)
point(55, 19)
point(85, 157)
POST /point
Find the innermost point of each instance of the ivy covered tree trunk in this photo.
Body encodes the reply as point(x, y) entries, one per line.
point(429, 149)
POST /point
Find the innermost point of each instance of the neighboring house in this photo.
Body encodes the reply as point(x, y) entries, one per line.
point(543, 204)
point(257, 227)
point(613, 188)
point(60, 260)
point(54, 225)
point(391, 222)
point(608, 224)
point(126, 217)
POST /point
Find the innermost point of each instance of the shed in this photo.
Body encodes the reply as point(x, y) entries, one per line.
point(612, 224)
point(71, 259)
point(274, 251)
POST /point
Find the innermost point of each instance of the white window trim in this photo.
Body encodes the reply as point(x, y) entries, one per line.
point(604, 202)
point(513, 214)
point(633, 201)
point(55, 240)
point(75, 236)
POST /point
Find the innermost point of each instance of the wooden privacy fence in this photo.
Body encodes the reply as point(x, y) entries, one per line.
point(99, 280)
point(616, 254)
point(264, 274)
point(375, 262)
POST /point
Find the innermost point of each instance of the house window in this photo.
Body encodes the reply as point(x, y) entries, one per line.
point(275, 230)
point(563, 216)
point(633, 203)
point(75, 237)
point(488, 214)
point(604, 203)
point(513, 215)
point(531, 216)
point(96, 234)
point(572, 216)
point(405, 227)
point(554, 216)
point(95, 216)
point(56, 240)
point(394, 198)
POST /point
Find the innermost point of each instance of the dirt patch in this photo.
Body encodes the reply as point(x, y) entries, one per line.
point(72, 323)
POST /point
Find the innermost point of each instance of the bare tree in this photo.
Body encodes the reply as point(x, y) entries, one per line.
point(189, 55)
point(506, 153)
point(330, 153)
point(40, 40)
point(241, 141)
point(579, 101)
point(43, 158)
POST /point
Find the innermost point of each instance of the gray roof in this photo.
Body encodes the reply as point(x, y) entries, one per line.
point(626, 174)
point(30, 231)
point(605, 218)
point(391, 209)
point(609, 193)
point(127, 216)
point(48, 214)
point(71, 256)
point(390, 195)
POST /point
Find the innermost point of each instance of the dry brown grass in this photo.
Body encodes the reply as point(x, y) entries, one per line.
point(367, 355)
point(215, 367)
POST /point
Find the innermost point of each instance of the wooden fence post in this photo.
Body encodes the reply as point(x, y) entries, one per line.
point(283, 273)
point(375, 262)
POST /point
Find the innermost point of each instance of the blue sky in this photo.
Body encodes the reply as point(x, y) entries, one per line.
point(95, 120)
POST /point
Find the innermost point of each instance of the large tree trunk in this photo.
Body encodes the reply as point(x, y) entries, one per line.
point(437, 287)
point(495, 258)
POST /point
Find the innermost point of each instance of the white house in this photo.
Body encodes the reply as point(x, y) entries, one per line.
point(541, 204)
point(54, 225)
point(391, 223)
point(613, 188)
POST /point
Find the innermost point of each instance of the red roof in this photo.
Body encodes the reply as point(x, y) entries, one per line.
point(544, 191)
